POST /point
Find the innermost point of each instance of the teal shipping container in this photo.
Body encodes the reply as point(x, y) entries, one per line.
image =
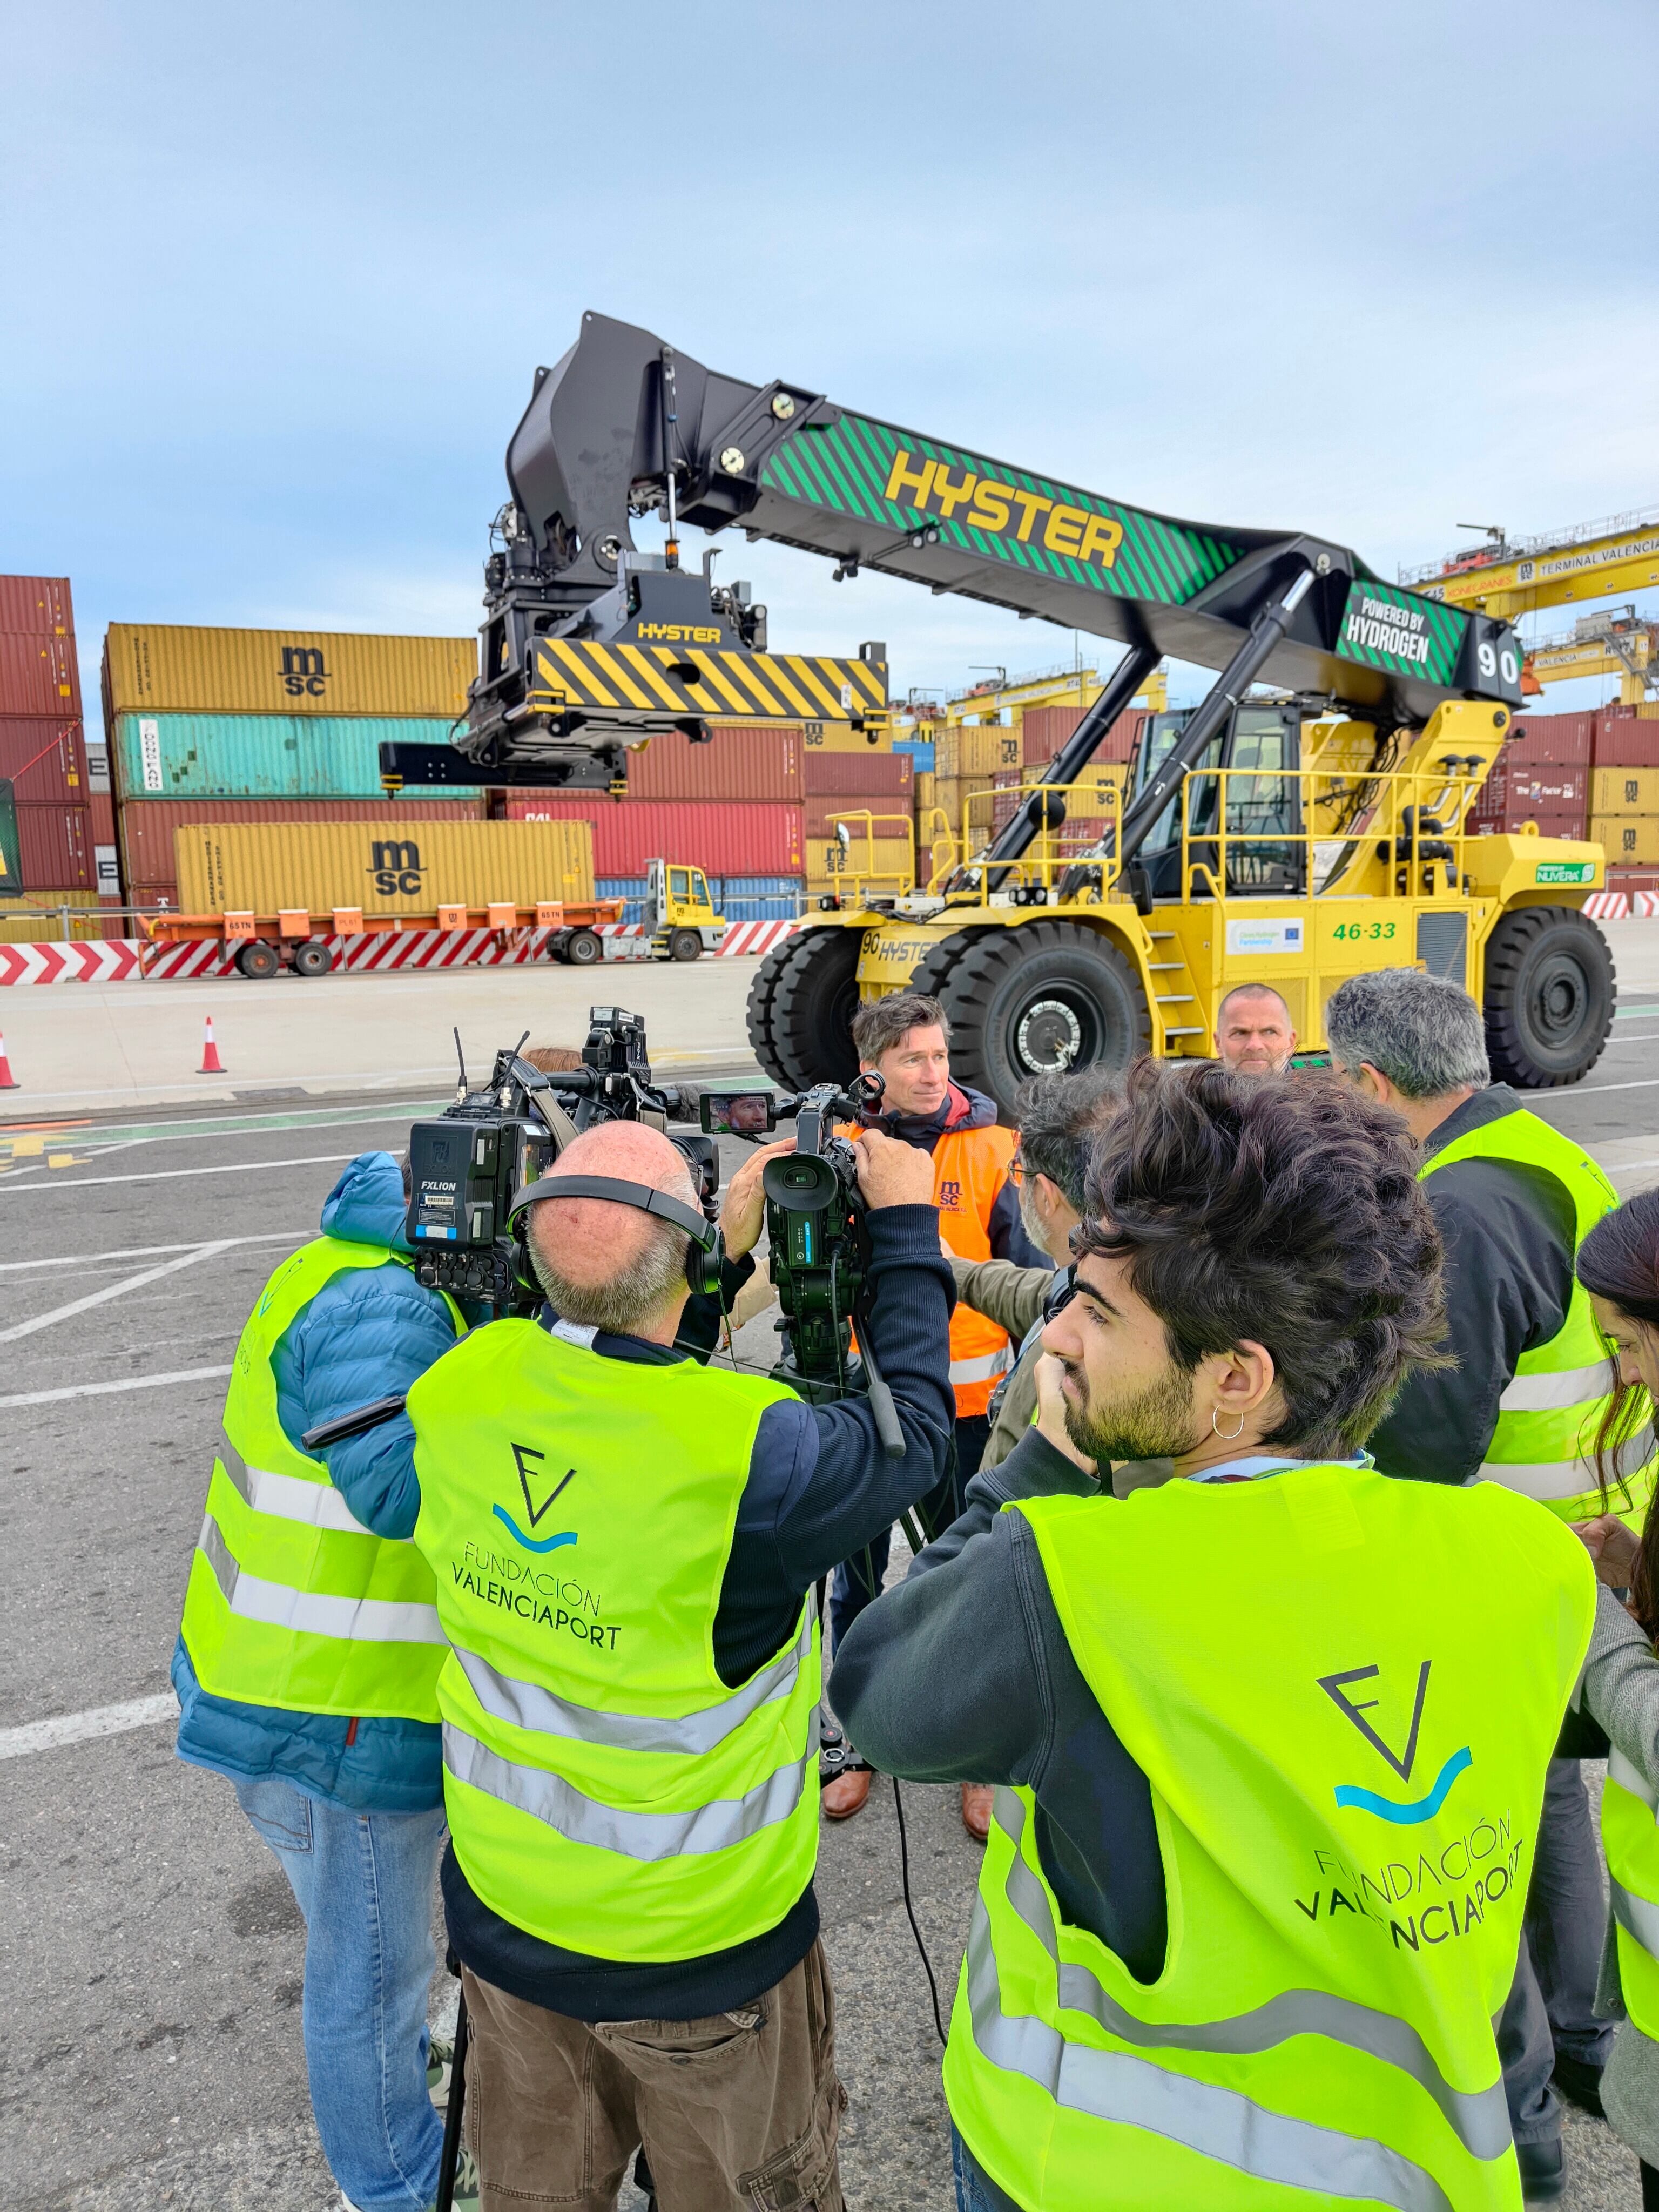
point(264, 756)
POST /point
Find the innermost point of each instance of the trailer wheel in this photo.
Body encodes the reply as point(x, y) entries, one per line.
point(1550, 996)
point(258, 960)
point(583, 948)
point(684, 944)
point(802, 1032)
point(313, 957)
point(1035, 1000)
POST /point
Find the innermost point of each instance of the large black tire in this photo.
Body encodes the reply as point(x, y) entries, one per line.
point(583, 948)
point(258, 960)
point(684, 944)
point(313, 957)
point(1033, 1000)
point(1550, 997)
point(802, 1006)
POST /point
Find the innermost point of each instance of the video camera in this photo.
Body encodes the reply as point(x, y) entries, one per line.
point(466, 1166)
point(818, 1232)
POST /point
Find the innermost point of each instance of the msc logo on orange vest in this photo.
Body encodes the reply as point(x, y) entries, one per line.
point(950, 1197)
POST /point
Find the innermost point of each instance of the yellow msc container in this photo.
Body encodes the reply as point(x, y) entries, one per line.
point(1630, 841)
point(829, 865)
point(169, 669)
point(1624, 791)
point(395, 866)
point(975, 753)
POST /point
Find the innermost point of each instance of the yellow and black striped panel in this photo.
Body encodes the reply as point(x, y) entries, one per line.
point(623, 680)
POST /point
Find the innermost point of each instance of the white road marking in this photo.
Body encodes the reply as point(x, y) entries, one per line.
point(101, 1390)
point(146, 1251)
point(115, 1289)
point(170, 1174)
point(1565, 1096)
point(83, 1728)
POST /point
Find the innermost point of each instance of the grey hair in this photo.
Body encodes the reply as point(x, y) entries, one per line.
point(1423, 1032)
point(880, 1024)
point(1058, 1117)
point(633, 1293)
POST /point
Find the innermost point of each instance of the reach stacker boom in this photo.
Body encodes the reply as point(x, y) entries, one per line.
point(1295, 840)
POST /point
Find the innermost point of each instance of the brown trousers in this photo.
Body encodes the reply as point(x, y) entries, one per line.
point(737, 2113)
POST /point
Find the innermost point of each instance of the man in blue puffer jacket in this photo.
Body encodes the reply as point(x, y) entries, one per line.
point(350, 1796)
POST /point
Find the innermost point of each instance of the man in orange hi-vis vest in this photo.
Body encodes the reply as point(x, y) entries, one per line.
point(906, 1039)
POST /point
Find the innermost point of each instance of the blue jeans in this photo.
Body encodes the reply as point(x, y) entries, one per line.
point(976, 2191)
point(364, 1883)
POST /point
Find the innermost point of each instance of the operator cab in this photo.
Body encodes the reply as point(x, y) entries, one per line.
point(1261, 745)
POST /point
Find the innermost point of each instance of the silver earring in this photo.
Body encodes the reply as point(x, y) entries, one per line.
point(1216, 1425)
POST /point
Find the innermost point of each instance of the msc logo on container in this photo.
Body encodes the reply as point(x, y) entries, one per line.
point(395, 866)
point(304, 675)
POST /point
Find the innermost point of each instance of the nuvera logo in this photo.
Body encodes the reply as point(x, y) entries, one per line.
point(303, 674)
point(395, 865)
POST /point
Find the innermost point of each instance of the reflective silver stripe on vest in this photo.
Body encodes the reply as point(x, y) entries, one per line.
point(984, 1369)
point(1630, 1778)
point(1217, 2123)
point(1554, 1394)
point(286, 1498)
point(314, 1612)
point(1638, 1919)
point(650, 1836)
point(1568, 1478)
point(527, 1705)
point(1479, 2118)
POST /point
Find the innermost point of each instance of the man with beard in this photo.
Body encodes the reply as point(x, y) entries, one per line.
point(1254, 1034)
point(1220, 1710)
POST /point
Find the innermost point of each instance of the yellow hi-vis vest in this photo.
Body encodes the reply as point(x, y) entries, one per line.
point(606, 1789)
point(1345, 1723)
point(1629, 1832)
point(1549, 1415)
point(292, 1602)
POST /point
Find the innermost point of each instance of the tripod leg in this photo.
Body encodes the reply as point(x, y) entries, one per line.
point(452, 2151)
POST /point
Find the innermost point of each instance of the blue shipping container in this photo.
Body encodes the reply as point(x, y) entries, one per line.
point(264, 755)
point(759, 886)
point(920, 751)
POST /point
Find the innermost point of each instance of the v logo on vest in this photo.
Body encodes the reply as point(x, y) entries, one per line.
point(520, 1454)
point(1388, 1808)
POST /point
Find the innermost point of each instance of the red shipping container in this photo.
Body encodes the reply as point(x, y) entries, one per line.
point(763, 763)
point(1626, 739)
point(1572, 821)
point(890, 812)
point(1558, 786)
point(145, 826)
point(836, 776)
point(1045, 730)
point(45, 759)
point(1550, 738)
point(38, 606)
point(38, 676)
point(749, 839)
point(55, 845)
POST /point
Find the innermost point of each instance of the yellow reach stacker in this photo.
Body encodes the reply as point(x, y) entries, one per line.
point(1295, 840)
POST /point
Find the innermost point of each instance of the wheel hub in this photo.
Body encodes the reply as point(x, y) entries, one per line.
point(1559, 999)
point(1049, 1036)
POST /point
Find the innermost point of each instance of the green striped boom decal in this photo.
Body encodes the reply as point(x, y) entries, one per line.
point(1401, 632)
point(872, 472)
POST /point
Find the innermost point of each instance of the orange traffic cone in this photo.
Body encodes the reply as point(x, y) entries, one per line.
point(211, 1063)
point(8, 1081)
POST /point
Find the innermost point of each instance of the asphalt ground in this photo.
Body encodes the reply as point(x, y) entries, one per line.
point(151, 1952)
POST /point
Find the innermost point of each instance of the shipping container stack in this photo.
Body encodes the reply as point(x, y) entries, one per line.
point(753, 808)
point(56, 830)
point(268, 728)
point(1624, 801)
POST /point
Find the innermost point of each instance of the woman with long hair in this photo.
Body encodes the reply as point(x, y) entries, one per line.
point(1619, 1265)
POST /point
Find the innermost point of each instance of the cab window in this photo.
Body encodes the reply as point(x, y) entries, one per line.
point(679, 883)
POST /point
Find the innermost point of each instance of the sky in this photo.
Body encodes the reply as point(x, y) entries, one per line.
point(278, 280)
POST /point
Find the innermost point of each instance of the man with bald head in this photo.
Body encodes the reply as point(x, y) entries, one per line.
point(1253, 1031)
point(624, 1543)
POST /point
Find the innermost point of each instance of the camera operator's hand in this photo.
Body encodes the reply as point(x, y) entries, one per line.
point(891, 1173)
point(744, 1208)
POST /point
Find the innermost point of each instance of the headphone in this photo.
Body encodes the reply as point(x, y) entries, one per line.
point(706, 1255)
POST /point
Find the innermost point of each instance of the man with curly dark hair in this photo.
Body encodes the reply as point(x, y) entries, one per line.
point(1271, 1757)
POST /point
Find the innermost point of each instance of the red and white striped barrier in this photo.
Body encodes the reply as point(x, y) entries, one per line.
point(756, 936)
point(109, 961)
